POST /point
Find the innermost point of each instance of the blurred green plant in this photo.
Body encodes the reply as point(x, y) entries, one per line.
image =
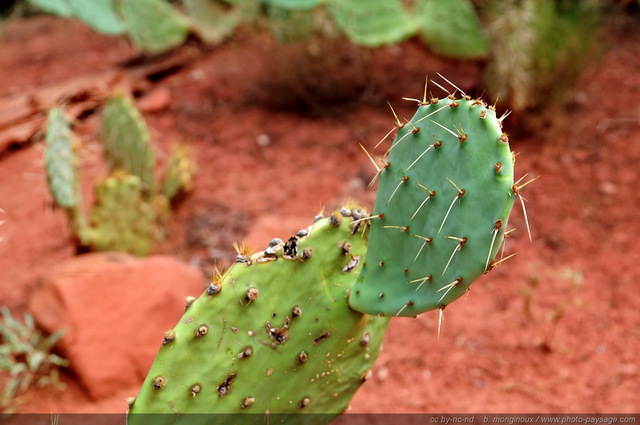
point(130, 208)
point(322, 55)
point(26, 358)
point(313, 67)
point(538, 48)
point(151, 25)
point(534, 48)
point(450, 27)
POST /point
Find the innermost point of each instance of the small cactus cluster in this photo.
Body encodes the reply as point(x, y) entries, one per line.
point(295, 328)
point(129, 207)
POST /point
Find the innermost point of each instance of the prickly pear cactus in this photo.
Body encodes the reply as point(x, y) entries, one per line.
point(451, 28)
point(126, 139)
point(63, 174)
point(121, 220)
point(271, 336)
point(373, 22)
point(153, 26)
point(129, 213)
point(61, 161)
point(443, 201)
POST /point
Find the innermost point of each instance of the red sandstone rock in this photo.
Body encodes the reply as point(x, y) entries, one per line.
point(115, 308)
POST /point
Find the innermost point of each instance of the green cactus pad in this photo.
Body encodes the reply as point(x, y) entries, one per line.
point(61, 161)
point(153, 26)
point(373, 22)
point(63, 172)
point(443, 204)
point(125, 138)
point(451, 28)
point(272, 336)
point(120, 219)
point(100, 15)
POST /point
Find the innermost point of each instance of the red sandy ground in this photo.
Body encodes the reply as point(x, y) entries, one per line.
point(555, 329)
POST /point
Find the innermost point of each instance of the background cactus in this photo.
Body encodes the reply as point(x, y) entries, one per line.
point(530, 45)
point(156, 25)
point(129, 208)
point(121, 220)
point(451, 28)
point(152, 25)
point(126, 140)
point(373, 22)
point(538, 48)
point(272, 335)
point(61, 160)
point(63, 172)
point(442, 205)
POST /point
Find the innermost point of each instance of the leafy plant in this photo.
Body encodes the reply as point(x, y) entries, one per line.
point(130, 207)
point(25, 358)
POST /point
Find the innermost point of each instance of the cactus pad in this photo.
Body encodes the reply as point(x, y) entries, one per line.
point(61, 160)
point(63, 172)
point(272, 335)
point(442, 205)
point(373, 22)
point(451, 28)
point(125, 138)
point(120, 219)
point(153, 26)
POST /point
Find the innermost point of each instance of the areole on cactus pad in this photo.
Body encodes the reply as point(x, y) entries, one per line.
point(444, 197)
